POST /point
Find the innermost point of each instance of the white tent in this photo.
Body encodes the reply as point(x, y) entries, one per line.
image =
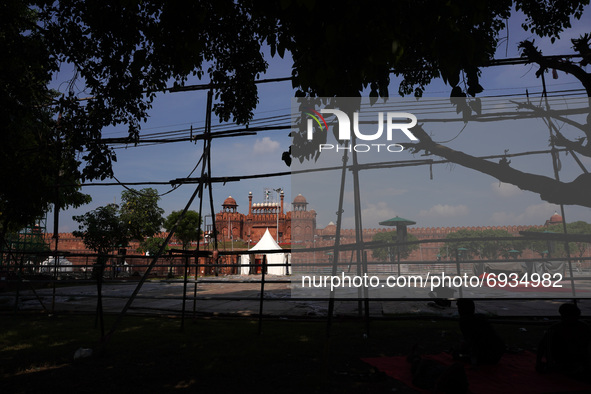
point(64, 266)
point(244, 264)
point(266, 243)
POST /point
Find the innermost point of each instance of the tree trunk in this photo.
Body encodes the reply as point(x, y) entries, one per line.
point(99, 270)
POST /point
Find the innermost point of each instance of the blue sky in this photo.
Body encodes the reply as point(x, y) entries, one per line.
point(446, 194)
point(455, 197)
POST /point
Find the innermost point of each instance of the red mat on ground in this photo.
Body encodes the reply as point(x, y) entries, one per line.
point(514, 374)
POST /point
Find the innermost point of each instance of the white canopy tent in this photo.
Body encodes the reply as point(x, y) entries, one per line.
point(63, 266)
point(266, 243)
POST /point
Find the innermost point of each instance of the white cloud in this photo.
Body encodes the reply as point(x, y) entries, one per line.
point(533, 214)
point(505, 189)
point(445, 211)
point(375, 213)
point(371, 215)
point(266, 145)
point(391, 191)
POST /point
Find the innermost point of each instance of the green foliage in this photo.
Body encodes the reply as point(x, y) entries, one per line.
point(542, 247)
point(151, 246)
point(102, 229)
point(578, 227)
point(188, 228)
point(123, 53)
point(110, 226)
point(557, 249)
point(378, 37)
point(548, 18)
point(418, 41)
point(32, 146)
point(391, 253)
point(480, 245)
point(126, 52)
point(140, 212)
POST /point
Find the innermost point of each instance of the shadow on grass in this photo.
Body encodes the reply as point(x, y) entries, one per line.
point(152, 354)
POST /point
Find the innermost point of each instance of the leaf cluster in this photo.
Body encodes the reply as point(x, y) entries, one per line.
point(32, 154)
point(558, 249)
point(123, 53)
point(140, 212)
point(102, 229)
point(390, 253)
point(126, 52)
point(188, 228)
point(481, 244)
point(110, 226)
point(152, 245)
point(362, 44)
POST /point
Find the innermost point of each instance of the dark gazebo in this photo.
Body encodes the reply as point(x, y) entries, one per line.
point(401, 233)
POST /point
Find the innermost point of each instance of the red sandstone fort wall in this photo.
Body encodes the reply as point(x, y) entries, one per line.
point(324, 237)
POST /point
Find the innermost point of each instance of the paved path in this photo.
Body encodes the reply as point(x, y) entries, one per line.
point(225, 296)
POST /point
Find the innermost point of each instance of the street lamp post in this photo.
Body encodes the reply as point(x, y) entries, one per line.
point(206, 233)
point(401, 233)
point(277, 191)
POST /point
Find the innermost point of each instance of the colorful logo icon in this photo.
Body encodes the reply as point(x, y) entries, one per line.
point(317, 117)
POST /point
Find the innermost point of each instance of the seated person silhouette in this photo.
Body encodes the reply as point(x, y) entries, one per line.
point(440, 294)
point(480, 345)
point(565, 346)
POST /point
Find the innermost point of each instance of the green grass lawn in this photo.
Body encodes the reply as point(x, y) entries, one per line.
point(152, 354)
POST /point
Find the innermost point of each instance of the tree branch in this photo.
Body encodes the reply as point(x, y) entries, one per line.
point(535, 56)
point(560, 140)
point(576, 192)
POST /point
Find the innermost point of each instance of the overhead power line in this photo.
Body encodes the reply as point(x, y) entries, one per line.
point(368, 166)
point(426, 106)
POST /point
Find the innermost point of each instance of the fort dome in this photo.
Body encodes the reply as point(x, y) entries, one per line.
point(230, 202)
point(330, 229)
point(300, 199)
point(556, 218)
